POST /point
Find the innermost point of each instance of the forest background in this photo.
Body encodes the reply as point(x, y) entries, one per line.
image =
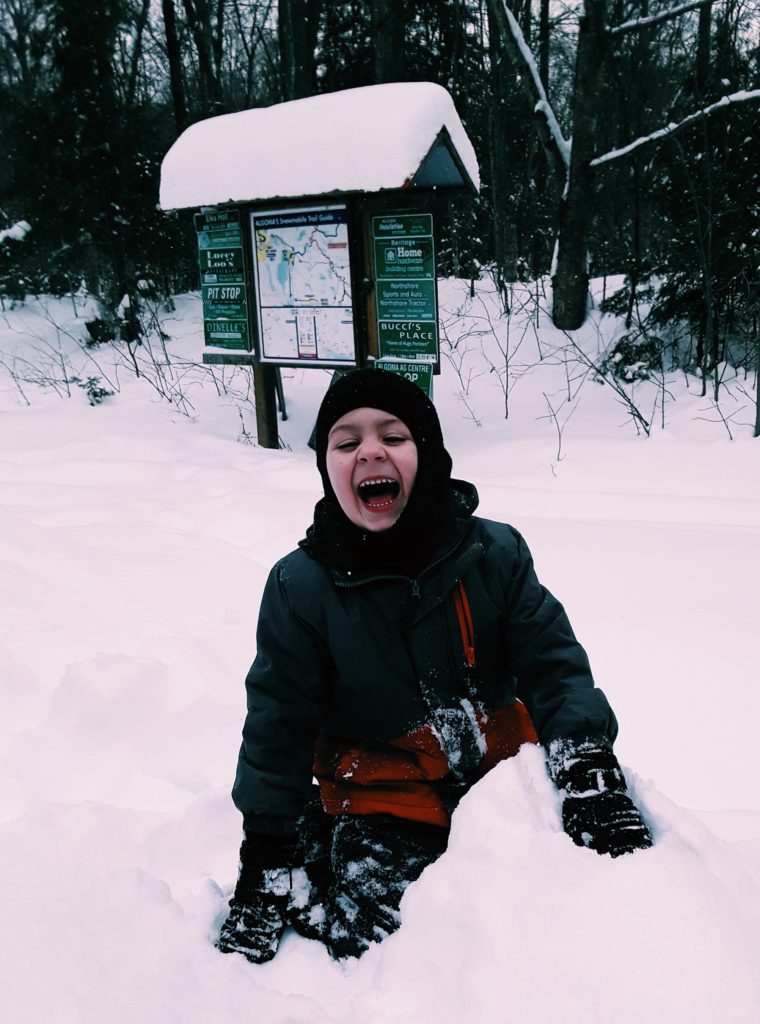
point(660, 183)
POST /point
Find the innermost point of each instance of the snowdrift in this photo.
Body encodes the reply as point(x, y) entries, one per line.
point(134, 544)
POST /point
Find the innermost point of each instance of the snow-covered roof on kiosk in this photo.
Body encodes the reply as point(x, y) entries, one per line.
point(380, 137)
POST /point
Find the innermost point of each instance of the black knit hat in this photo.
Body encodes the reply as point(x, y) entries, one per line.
point(379, 389)
point(429, 516)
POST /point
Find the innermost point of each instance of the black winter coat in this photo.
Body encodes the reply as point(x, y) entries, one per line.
point(370, 657)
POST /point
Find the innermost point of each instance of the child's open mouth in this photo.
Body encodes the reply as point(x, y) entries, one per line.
point(378, 494)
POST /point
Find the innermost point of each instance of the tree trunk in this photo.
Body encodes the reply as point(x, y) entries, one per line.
point(705, 201)
point(571, 275)
point(702, 70)
point(139, 30)
point(636, 127)
point(504, 231)
point(175, 65)
point(388, 33)
point(199, 19)
point(297, 22)
point(543, 44)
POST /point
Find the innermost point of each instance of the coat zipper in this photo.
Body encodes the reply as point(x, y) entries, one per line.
point(466, 627)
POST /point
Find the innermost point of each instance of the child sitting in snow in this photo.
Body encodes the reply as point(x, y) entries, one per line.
point(403, 650)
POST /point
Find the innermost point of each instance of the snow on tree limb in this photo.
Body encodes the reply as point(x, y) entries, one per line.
point(543, 105)
point(636, 24)
point(523, 58)
point(17, 232)
point(662, 133)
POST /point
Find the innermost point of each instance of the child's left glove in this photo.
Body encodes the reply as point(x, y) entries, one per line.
point(597, 811)
point(258, 908)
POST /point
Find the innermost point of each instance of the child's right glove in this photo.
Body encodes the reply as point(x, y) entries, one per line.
point(596, 809)
point(258, 908)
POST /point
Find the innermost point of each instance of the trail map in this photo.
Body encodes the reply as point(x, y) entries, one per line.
point(303, 285)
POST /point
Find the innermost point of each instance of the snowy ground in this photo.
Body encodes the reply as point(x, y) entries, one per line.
point(134, 543)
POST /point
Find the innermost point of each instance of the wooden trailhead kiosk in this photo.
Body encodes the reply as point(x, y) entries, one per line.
point(316, 239)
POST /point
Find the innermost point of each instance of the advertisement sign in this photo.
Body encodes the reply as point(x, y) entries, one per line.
point(415, 338)
point(302, 285)
point(404, 258)
point(405, 291)
point(222, 267)
point(415, 370)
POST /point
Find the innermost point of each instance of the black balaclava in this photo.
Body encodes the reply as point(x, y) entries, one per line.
point(429, 516)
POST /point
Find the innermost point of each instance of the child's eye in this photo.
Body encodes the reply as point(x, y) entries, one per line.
point(347, 446)
point(395, 439)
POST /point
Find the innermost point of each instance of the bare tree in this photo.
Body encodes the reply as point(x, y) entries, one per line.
point(206, 23)
point(577, 164)
point(174, 57)
point(388, 31)
point(297, 25)
point(571, 277)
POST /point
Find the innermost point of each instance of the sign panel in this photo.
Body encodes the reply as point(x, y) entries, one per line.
point(417, 338)
point(222, 266)
point(404, 258)
point(403, 300)
point(415, 370)
point(407, 313)
point(302, 285)
point(399, 225)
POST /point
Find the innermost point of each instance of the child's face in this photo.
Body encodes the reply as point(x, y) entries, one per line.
point(371, 463)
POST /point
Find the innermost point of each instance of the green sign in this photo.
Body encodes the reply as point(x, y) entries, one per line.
point(396, 225)
point(224, 300)
point(404, 257)
point(411, 338)
point(221, 239)
point(406, 300)
point(223, 266)
point(226, 333)
point(405, 292)
point(223, 285)
point(414, 370)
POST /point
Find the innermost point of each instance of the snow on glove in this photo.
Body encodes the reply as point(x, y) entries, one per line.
point(597, 811)
point(258, 908)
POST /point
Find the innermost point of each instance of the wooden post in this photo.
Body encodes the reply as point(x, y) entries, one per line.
point(266, 405)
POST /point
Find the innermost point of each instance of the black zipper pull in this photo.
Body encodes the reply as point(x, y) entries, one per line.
point(415, 588)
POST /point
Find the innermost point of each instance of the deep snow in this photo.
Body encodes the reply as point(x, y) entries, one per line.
point(134, 544)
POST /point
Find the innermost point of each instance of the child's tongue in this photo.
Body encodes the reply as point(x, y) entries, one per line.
point(379, 500)
point(378, 495)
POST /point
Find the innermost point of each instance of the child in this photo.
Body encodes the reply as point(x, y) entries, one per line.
point(403, 650)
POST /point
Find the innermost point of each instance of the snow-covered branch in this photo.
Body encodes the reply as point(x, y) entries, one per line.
point(555, 145)
point(752, 95)
point(543, 106)
point(636, 24)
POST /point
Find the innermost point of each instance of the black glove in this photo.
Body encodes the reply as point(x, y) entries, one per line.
point(258, 908)
point(596, 809)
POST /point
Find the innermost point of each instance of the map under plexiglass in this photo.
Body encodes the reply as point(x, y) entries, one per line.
point(303, 285)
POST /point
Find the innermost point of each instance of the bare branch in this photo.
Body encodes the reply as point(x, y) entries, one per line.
point(722, 418)
point(636, 24)
point(559, 427)
point(745, 96)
